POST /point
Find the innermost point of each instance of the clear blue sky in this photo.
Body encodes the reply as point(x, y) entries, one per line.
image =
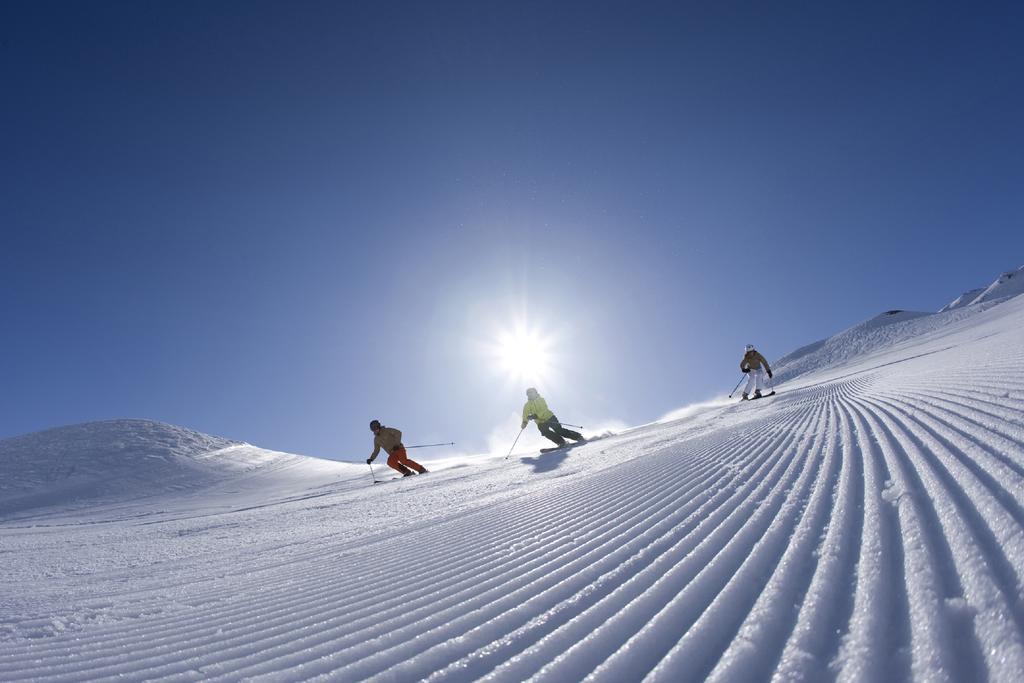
point(275, 221)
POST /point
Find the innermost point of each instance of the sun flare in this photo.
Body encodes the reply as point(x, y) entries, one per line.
point(524, 355)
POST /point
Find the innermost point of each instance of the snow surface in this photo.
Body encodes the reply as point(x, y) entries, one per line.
point(867, 523)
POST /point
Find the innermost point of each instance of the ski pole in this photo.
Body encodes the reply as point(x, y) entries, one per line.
point(431, 445)
point(515, 442)
point(372, 475)
point(737, 386)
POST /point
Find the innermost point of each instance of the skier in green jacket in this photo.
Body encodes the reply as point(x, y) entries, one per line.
point(536, 408)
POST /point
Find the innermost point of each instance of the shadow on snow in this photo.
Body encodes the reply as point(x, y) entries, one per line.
point(546, 462)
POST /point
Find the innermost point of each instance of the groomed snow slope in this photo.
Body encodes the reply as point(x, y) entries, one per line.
point(867, 523)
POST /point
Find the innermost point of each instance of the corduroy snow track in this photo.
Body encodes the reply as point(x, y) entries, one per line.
point(866, 524)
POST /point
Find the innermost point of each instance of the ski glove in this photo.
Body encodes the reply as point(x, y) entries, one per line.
point(746, 370)
point(769, 374)
point(523, 426)
point(369, 461)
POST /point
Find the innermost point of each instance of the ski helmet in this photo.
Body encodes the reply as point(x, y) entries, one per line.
point(374, 425)
point(531, 392)
point(748, 348)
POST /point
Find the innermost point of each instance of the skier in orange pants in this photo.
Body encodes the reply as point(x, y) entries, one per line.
point(390, 439)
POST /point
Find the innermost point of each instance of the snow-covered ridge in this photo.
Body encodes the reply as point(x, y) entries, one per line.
point(965, 299)
point(120, 460)
point(1006, 285)
point(894, 327)
point(879, 332)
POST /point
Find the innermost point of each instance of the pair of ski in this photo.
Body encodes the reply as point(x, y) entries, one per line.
point(552, 449)
point(754, 398)
point(385, 481)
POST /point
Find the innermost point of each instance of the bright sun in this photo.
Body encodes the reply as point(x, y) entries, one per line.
point(524, 355)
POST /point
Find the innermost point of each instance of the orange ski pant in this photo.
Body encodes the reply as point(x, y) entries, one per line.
point(399, 460)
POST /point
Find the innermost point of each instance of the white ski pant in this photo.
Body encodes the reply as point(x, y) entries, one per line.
point(755, 380)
